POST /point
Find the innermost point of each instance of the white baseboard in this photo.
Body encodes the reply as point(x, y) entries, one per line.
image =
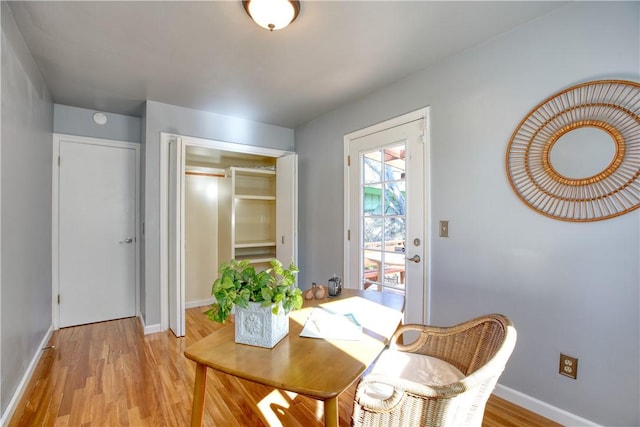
point(22, 386)
point(199, 303)
point(542, 408)
point(150, 329)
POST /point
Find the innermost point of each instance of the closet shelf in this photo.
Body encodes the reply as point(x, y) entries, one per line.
point(254, 260)
point(247, 216)
point(255, 244)
point(252, 171)
point(251, 197)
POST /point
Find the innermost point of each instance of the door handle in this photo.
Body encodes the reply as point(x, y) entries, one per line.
point(415, 258)
point(127, 240)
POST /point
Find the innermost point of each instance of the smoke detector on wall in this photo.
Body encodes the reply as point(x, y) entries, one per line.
point(100, 118)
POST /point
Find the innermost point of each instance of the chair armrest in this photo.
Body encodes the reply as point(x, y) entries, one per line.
point(415, 346)
point(401, 387)
point(467, 346)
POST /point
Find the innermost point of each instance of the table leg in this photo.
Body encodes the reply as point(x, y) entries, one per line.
point(199, 387)
point(331, 412)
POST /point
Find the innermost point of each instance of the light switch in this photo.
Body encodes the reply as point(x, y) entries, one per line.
point(444, 228)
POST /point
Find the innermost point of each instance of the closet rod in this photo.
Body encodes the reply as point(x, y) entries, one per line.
point(219, 175)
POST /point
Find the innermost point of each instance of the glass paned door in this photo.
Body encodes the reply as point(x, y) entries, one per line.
point(383, 219)
point(386, 214)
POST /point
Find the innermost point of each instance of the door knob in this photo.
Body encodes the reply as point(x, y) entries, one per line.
point(415, 258)
point(127, 240)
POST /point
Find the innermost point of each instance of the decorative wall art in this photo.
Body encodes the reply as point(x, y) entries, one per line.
point(576, 156)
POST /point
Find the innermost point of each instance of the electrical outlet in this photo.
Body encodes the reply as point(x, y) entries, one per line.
point(568, 366)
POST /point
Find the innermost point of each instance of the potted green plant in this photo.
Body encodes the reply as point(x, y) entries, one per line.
point(262, 300)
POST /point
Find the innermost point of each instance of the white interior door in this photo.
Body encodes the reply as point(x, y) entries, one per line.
point(386, 215)
point(286, 208)
point(97, 237)
point(176, 238)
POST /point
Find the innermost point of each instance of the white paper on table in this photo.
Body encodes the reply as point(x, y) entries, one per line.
point(374, 317)
point(326, 324)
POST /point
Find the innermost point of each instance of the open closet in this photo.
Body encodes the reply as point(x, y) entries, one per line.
point(230, 212)
point(225, 201)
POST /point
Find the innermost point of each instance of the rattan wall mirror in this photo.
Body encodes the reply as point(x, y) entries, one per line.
point(576, 156)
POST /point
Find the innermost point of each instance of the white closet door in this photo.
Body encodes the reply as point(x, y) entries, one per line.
point(286, 208)
point(97, 232)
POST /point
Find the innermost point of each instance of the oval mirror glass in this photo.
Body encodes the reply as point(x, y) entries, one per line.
point(582, 153)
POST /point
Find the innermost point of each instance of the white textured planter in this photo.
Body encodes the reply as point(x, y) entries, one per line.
point(256, 325)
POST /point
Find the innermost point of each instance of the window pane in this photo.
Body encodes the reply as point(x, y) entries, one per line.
point(372, 233)
point(394, 267)
point(394, 163)
point(372, 169)
point(394, 198)
point(372, 200)
point(371, 267)
point(394, 233)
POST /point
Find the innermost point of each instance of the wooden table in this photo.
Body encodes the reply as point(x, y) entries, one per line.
point(318, 368)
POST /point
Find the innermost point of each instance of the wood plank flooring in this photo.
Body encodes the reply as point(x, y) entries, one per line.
point(110, 374)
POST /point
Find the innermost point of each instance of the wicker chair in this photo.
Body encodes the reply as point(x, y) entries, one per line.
point(477, 350)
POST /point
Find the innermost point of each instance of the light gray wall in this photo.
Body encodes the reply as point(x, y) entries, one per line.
point(25, 283)
point(185, 121)
point(568, 287)
point(79, 121)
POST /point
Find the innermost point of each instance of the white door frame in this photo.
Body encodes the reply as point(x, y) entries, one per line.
point(165, 138)
point(55, 232)
point(176, 243)
point(423, 114)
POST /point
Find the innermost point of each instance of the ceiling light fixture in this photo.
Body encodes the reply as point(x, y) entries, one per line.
point(272, 14)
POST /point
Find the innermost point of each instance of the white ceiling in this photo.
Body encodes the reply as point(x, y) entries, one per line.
point(210, 56)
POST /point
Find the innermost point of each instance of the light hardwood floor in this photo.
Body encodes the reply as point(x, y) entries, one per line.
point(110, 374)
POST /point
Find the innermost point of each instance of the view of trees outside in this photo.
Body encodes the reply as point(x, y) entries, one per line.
point(384, 212)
